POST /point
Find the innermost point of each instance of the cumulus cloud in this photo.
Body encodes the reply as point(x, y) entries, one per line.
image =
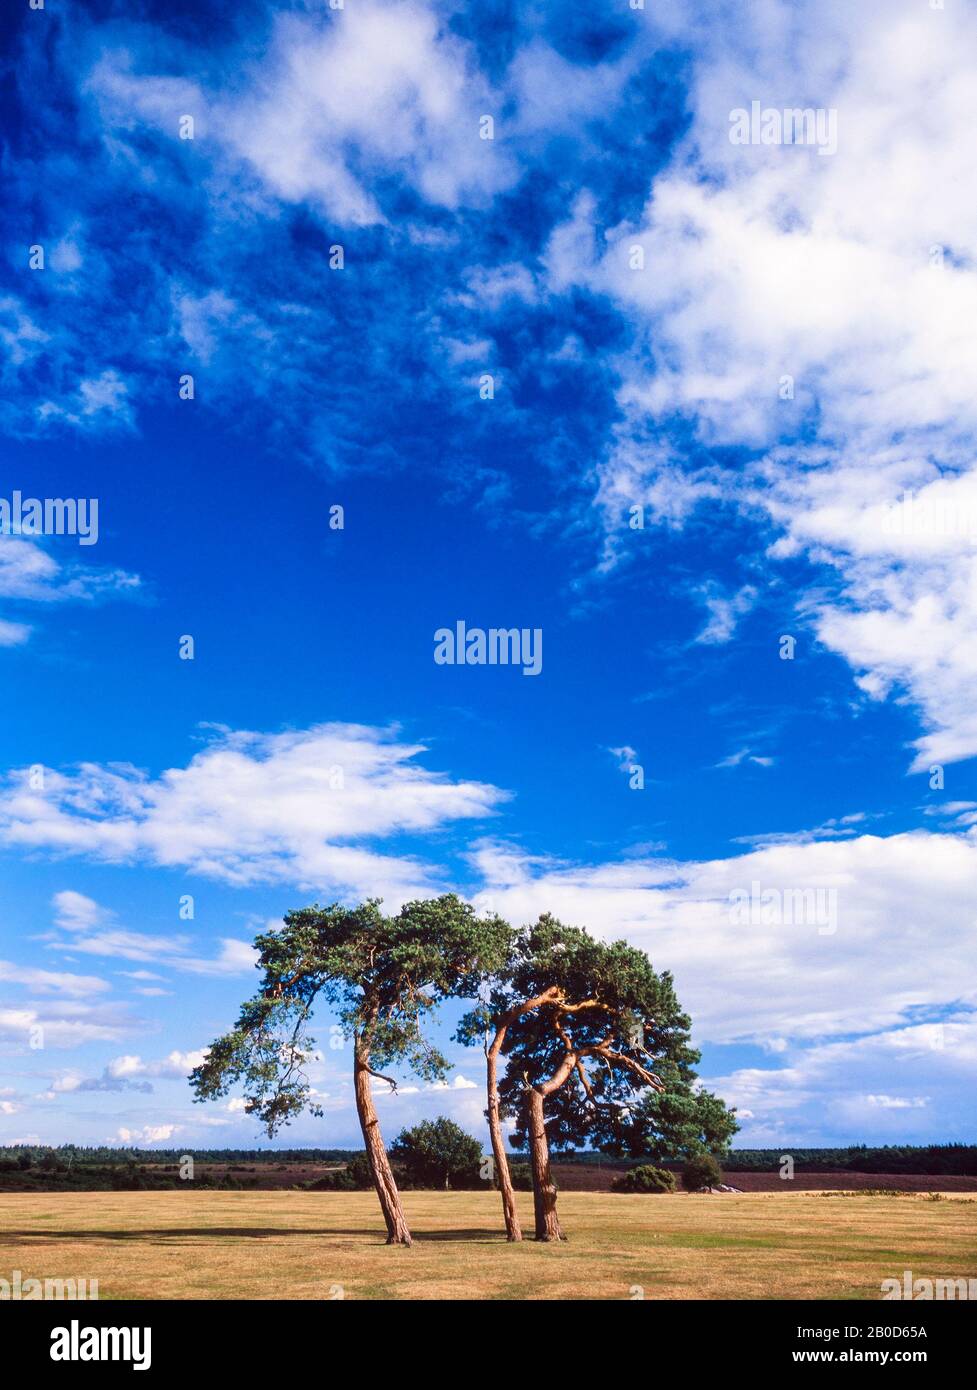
point(457, 1083)
point(799, 940)
point(254, 808)
point(847, 961)
point(175, 1065)
point(838, 1088)
point(149, 1134)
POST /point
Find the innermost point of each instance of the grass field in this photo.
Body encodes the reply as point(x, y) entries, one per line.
point(261, 1245)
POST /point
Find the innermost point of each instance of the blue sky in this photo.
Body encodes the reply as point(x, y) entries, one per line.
point(757, 351)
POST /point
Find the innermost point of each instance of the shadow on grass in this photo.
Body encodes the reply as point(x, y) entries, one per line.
point(246, 1233)
point(480, 1237)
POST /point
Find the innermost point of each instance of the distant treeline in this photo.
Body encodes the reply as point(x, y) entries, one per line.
point(77, 1153)
point(931, 1160)
point(117, 1177)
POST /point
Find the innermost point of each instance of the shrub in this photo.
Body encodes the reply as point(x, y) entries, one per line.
point(701, 1171)
point(522, 1177)
point(358, 1172)
point(437, 1153)
point(647, 1178)
point(355, 1177)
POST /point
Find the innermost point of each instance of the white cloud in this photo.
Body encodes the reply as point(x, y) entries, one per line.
point(75, 912)
point(235, 958)
point(725, 611)
point(899, 1085)
point(52, 982)
point(129, 1072)
point(769, 263)
point(63, 1023)
point(13, 634)
point(900, 937)
point(625, 756)
point(93, 932)
point(200, 318)
point(336, 102)
point(253, 808)
point(897, 1102)
point(176, 1065)
point(30, 574)
point(744, 755)
point(100, 402)
point(458, 1083)
point(149, 1134)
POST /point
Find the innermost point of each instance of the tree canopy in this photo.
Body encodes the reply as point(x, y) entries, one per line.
point(596, 1045)
point(598, 1052)
point(380, 976)
point(437, 1153)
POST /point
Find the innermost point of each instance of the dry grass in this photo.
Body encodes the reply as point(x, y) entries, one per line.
point(311, 1245)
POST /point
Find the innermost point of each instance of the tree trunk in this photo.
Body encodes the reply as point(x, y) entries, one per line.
point(544, 1189)
point(512, 1228)
point(382, 1173)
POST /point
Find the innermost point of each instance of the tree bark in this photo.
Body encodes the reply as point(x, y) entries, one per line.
point(544, 1189)
point(513, 1230)
point(382, 1173)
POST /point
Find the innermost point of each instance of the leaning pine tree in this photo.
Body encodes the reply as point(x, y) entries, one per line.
point(500, 1008)
point(597, 1052)
point(378, 976)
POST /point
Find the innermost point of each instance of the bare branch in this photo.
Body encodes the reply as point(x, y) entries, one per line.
point(380, 1077)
